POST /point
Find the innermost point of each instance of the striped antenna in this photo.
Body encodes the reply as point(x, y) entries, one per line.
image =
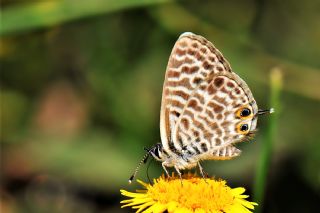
point(264, 111)
point(144, 160)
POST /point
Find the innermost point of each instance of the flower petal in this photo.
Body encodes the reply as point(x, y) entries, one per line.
point(249, 205)
point(156, 208)
point(132, 194)
point(143, 206)
point(238, 191)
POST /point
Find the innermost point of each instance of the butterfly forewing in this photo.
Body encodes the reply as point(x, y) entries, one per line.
point(192, 60)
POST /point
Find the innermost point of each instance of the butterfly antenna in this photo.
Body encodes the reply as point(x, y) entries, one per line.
point(144, 160)
point(264, 111)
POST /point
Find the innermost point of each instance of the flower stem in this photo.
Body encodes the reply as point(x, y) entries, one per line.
point(266, 152)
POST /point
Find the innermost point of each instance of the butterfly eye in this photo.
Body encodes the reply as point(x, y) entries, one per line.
point(244, 127)
point(245, 112)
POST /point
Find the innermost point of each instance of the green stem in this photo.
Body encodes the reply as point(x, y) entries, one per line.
point(266, 152)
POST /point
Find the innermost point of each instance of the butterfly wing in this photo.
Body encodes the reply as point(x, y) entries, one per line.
point(193, 59)
point(212, 119)
point(202, 102)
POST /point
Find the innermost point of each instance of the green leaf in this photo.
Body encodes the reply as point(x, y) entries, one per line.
point(19, 18)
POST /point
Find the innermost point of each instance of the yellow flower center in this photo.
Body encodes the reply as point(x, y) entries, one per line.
point(193, 193)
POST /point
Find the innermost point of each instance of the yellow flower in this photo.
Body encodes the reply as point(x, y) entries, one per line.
point(191, 194)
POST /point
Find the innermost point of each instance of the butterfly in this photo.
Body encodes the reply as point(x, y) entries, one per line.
point(206, 108)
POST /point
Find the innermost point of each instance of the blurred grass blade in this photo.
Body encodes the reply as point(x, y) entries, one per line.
point(47, 13)
point(267, 144)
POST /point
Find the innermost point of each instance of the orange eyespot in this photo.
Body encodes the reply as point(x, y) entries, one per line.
point(242, 128)
point(244, 112)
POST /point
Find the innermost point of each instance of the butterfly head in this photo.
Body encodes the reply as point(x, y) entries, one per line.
point(155, 151)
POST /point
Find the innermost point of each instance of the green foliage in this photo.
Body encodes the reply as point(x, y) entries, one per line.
point(49, 13)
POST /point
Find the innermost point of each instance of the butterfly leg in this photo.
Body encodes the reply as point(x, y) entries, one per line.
point(179, 173)
point(165, 169)
point(203, 173)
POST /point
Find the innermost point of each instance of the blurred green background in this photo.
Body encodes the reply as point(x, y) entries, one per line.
point(81, 85)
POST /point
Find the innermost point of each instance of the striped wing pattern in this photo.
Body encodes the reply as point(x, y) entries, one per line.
point(207, 126)
point(201, 96)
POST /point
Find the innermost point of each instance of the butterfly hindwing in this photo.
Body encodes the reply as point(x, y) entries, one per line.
point(209, 121)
